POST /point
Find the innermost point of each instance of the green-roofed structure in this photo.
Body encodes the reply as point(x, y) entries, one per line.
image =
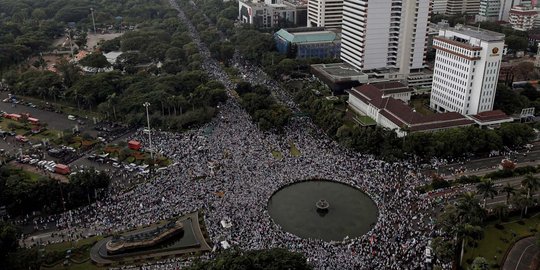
point(313, 42)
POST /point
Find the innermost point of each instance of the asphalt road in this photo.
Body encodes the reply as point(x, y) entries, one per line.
point(523, 156)
point(500, 198)
point(524, 255)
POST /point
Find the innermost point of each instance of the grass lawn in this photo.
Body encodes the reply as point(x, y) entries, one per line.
point(68, 245)
point(73, 266)
point(495, 242)
point(293, 150)
point(277, 155)
point(365, 120)
point(421, 106)
point(34, 177)
point(85, 255)
point(49, 134)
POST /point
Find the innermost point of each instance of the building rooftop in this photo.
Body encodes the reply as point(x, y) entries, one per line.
point(404, 116)
point(339, 71)
point(307, 36)
point(478, 33)
point(297, 3)
point(391, 87)
point(491, 117)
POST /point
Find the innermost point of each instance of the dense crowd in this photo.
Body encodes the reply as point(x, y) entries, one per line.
point(226, 168)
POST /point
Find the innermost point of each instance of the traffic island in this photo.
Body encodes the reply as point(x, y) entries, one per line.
point(175, 238)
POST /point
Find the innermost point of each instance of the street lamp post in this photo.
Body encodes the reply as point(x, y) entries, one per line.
point(93, 20)
point(147, 104)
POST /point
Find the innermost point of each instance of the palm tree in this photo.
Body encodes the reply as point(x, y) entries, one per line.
point(531, 183)
point(509, 190)
point(487, 189)
point(113, 101)
point(469, 210)
point(521, 200)
point(501, 210)
point(468, 233)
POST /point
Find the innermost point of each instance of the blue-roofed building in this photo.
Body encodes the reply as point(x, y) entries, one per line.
point(310, 42)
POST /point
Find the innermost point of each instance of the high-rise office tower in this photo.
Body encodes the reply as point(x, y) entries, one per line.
point(325, 13)
point(466, 70)
point(457, 7)
point(385, 34)
point(489, 10)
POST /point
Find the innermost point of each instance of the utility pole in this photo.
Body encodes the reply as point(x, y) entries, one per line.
point(93, 20)
point(147, 104)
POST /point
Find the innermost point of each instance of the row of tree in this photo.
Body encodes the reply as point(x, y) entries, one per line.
point(28, 28)
point(21, 194)
point(462, 222)
point(257, 260)
point(262, 106)
point(180, 97)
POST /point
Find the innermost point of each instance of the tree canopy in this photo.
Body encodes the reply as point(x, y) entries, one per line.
point(256, 260)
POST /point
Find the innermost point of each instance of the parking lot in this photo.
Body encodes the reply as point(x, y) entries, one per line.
point(42, 158)
point(54, 120)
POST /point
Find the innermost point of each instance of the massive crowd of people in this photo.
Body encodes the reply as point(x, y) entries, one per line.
point(227, 170)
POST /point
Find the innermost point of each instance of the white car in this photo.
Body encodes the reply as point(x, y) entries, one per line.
point(72, 117)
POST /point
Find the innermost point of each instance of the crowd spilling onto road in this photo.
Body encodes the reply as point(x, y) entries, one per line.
point(227, 170)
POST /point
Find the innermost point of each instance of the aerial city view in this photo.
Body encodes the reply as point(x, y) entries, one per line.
point(270, 134)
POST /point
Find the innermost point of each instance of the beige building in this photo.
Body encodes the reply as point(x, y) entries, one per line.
point(325, 13)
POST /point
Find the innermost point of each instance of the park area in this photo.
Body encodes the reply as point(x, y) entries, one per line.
point(498, 239)
point(122, 152)
point(74, 254)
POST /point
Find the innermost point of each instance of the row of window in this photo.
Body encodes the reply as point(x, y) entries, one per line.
point(447, 91)
point(454, 80)
point(447, 105)
point(457, 49)
point(455, 58)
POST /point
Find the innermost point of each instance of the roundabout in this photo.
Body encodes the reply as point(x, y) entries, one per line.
point(345, 211)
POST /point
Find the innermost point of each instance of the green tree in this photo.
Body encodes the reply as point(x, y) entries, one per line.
point(516, 43)
point(509, 190)
point(522, 201)
point(487, 189)
point(9, 238)
point(480, 263)
point(258, 259)
point(443, 249)
point(531, 184)
point(468, 233)
point(509, 101)
point(95, 60)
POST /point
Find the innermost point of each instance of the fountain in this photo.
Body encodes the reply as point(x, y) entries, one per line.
point(322, 205)
point(353, 212)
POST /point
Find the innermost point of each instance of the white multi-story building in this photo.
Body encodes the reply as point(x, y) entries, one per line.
point(466, 70)
point(385, 34)
point(272, 13)
point(325, 13)
point(522, 18)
